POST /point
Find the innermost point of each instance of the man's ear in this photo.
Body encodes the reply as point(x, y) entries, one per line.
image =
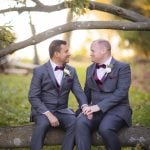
point(56, 54)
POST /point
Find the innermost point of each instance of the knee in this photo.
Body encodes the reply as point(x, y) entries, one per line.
point(103, 130)
point(81, 122)
point(82, 128)
point(71, 123)
point(42, 125)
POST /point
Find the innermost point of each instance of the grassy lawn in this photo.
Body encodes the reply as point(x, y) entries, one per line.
point(15, 108)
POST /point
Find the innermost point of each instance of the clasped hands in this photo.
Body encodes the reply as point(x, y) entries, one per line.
point(89, 110)
point(86, 110)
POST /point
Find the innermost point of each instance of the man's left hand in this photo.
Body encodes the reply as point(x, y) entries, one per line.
point(94, 108)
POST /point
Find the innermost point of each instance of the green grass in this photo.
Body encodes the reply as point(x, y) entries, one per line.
point(141, 107)
point(15, 108)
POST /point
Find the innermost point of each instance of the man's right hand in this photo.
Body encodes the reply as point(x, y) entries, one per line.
point(52, 119)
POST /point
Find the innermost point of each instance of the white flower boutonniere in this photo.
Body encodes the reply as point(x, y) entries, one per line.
point(67, 72)
point(108, 68)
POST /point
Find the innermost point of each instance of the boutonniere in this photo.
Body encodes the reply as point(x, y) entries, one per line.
point(67, 72)
point(109, 68)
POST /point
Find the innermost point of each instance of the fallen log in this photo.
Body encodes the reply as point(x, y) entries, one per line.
point(21, 65)
point(20, 136)
point(16, 71)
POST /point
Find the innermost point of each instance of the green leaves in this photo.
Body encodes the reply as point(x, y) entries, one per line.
point(6, 36)
point(79, 7)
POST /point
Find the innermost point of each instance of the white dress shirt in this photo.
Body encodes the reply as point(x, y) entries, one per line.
point(101, 71)
point(58, 73)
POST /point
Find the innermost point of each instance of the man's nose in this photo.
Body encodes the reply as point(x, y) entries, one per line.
point(69, 54)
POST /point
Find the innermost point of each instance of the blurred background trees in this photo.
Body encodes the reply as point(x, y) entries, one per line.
point(6, 38)
point(138, 40)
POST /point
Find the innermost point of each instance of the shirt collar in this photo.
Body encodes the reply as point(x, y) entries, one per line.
point(107, 62)
point(53, 64)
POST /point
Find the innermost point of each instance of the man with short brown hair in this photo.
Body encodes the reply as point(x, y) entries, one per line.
point(49, 91)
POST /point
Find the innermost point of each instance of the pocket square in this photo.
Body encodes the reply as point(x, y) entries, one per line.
point(112, 77)
point(69, 79)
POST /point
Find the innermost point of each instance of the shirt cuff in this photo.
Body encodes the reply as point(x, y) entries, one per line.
point(83, 105)
point(45, 112)
point(96, 107)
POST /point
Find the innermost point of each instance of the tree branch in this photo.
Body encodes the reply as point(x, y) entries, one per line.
point(112, 9)
point(143, 23)
point(37, 8)
point(118, 11)
point(38, 2)
point(81, 25)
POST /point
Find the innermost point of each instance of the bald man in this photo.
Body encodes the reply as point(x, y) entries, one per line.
point(106, 87)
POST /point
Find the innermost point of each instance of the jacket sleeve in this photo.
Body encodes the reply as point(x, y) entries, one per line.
point(35, 92)
point(121, 92)
point(77, 90)
point(87, 89)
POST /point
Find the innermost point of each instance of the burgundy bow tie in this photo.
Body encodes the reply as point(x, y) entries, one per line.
point(100, 66)
point(59, 68)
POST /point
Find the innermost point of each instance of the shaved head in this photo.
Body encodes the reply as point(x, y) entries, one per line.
point(100, 51)
point(102, 43)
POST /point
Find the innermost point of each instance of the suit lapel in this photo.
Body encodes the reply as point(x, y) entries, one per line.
point(64, 78)
point(62, 81)
point(92, 75)
point(113, 61)
point(51, 73)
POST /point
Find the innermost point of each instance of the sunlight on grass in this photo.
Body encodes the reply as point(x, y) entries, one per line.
point(15, 108)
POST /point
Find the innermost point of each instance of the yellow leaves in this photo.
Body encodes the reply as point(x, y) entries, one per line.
point(79, 7)
point(6, 37)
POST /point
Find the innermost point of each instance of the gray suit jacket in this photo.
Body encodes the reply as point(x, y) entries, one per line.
point(45, 95)
point(112, 95)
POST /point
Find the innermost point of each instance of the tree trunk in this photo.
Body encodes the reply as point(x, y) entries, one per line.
point(36, 58)
point(20, 136)
point(67, 35)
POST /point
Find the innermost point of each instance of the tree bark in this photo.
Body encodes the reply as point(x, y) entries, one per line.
point(118, 11)
point(80, 25)
point(20, 136)
point(67, 36)
point(33, 31)
point(112, 9)
point(141, 23)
